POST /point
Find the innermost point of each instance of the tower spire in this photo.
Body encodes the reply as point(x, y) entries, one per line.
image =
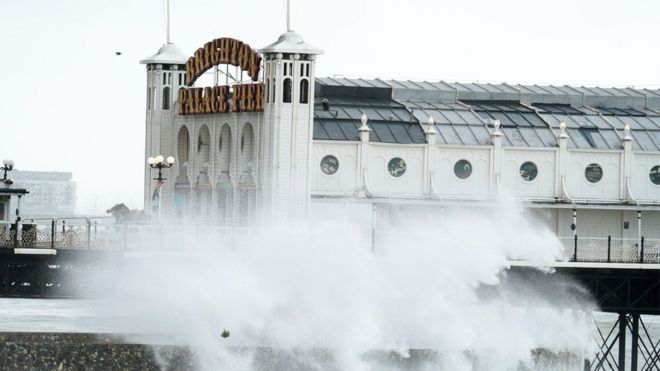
point(288, 15)
point(167, 21)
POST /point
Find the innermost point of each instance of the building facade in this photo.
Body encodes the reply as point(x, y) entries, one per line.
point(52, 193)
point(586, 159)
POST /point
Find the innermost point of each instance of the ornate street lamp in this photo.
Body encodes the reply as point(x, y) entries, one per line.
point(159, 163)
point(7, 165)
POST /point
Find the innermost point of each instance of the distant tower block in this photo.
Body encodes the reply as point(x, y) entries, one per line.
point(289, 65)
point(165, 74)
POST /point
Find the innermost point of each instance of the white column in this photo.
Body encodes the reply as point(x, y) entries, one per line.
point(363, 132)
point(429, 157)
point(496, 137)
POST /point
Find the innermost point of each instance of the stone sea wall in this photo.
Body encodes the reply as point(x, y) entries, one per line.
point(54, 351)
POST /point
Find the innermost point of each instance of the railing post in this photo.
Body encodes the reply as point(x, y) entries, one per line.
point(52, 234)
point(609, 247)
point(63, 227)
point(575, 238)
point(641, 252)
point(89, 233)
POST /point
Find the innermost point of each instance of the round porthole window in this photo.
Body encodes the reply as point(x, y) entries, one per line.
point(329, 165)
point(593, 173)
point(655, 175)
point(528, 171)
point(396, 167)
point(463, 169)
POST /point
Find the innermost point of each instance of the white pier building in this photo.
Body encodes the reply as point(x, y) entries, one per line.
point(291, 143)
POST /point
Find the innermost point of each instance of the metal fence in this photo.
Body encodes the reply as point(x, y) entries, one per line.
point(611, 250)
point(100, 233)
point(51, 233)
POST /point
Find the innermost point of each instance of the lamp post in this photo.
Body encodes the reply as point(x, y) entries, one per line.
point(159, 163)
point(7, 166)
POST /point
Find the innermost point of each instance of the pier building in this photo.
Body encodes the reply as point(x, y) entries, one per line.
point(255, 134)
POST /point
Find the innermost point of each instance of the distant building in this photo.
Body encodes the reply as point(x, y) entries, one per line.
point(52, 193)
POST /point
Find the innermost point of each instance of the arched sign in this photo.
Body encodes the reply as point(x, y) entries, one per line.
point(216, 99)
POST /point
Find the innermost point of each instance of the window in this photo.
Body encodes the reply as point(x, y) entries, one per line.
point(463, 169)
point(286, 98)
point(166, 98)
point(593, 173)
point(396, 167)
point(528, 171)
point(329, 165)
point(148, 98)
point(274, 86)
point(304, 91)
point(267, 90)
point(164, 78)
point(655, 175)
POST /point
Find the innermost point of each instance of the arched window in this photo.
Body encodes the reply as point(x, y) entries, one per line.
point(286, 93)
point(183, 150)
point(166, 98)
point(304, 91)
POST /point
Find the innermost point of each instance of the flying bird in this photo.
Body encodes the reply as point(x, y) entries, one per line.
point(117, 53)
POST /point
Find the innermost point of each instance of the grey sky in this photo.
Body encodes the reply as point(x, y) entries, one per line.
point(70, 104)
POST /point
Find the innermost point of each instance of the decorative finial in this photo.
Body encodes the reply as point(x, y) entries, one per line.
point(496, 125)
point(562, 130)
point(364, 119)
point(431, 125)
point(626, 133)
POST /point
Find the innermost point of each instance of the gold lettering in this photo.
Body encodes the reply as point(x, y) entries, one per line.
point(233, 54)
point(182, 101)
point(259, 97)
point(244, 56)
point(249, 98)
point(208, 53)
point(215, 53)
point(199, 63)
point(190, 71)
point(224, 50)
point(236, 99)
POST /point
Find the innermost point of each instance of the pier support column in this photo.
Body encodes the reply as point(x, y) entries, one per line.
point(622, 341)
point(634, 349)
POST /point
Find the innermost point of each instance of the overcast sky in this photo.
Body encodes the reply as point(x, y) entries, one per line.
point(69, 104)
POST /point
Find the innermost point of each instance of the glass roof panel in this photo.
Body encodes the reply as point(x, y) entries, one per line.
point(470, 118)
point(349, 128)
point(332, 128)
point(630, 121)
point(352, 112)
point(598, 121)
point(518, 119)
point(614, 120)
point(504, 119)
point(383, 132)
point(582, 121)
point(438, 117)
point(514, 136)
point(400, 133)
point(482, 134)
point(613, 140)
point(655, 136)
point(530, 136)
point(655, 119)
point(534, 119)
point(447, 131)
point(593, 137)
point(550, 119)
point(465, 134)
point(454, 117)
point(578, 138)
point(319, 131)
point(401, 114)
point(546, 137)
point(646, 122)
point(645, 142)
point(417, 134)
point(567, 119)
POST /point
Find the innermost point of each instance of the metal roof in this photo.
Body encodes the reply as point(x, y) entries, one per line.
point(463, 113)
